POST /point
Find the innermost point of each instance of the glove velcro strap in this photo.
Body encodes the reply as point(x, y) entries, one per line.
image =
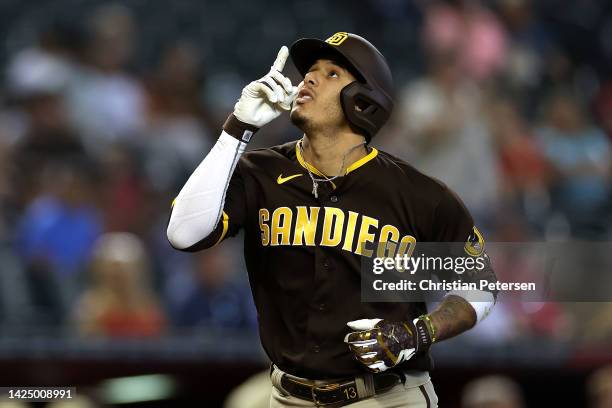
point(240, 130)
point(424, 336)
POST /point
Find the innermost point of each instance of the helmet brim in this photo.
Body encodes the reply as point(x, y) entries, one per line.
point(306, 51)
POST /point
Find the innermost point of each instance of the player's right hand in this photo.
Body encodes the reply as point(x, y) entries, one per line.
point(379, 344)
point(263, 100)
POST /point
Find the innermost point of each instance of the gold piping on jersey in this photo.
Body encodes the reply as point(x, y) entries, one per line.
point(305, 165)
point(225, 220)
point(362, 161)
point(350, 168)
point(309, 166)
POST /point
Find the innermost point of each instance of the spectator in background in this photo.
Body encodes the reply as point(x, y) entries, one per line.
point(524, 171)
point(176, 137)
point(55, 236)
point(45, 67)
point(124, 191)
point(530, 49)
point(119, 302)
point(50, 177)
point(217, 300)
point(470, 30)
point(579, 154)
point(105, 102)
point(48, 142)
point(36, 80)
point(494, 391)
point(446, 134)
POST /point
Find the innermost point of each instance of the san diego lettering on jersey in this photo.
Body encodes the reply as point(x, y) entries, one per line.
point(349, 230)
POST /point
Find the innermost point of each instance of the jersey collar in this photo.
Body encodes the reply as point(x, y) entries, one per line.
point(350, 168)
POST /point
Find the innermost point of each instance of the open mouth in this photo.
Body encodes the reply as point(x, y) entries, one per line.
point(305, 95)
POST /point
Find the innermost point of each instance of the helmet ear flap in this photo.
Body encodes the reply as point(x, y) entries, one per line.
point(365, 109)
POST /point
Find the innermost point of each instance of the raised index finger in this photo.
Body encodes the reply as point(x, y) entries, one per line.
point(281, 58)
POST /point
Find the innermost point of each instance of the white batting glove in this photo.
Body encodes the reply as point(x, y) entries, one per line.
point(379, 344)
point(263, 100)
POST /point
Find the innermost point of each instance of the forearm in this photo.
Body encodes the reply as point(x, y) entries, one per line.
point(459, 310)
point(453, 316)
point(199, 205)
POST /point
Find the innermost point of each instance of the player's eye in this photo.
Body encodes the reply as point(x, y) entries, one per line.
point(333, 74)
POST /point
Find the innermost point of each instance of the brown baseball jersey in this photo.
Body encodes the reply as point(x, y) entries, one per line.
point(303, 253)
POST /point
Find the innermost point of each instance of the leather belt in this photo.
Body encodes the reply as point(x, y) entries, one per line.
point(338, 393)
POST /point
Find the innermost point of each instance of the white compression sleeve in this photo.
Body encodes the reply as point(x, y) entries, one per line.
point(199, 205)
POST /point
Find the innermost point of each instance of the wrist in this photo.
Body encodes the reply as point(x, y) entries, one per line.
point(238, 129)
point(425, 332)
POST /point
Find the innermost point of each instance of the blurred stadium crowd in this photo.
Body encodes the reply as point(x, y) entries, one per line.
point(107, 108)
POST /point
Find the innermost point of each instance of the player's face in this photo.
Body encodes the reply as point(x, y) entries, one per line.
point(318, 103)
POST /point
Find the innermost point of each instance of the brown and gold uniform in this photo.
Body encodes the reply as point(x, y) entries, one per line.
point(303, 254)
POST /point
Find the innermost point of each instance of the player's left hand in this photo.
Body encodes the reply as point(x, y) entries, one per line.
point(379, 344)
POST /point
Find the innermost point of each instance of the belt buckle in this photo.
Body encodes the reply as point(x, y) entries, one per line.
point(325, 387)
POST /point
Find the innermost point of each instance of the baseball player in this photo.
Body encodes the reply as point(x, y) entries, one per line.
point(310, 210)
